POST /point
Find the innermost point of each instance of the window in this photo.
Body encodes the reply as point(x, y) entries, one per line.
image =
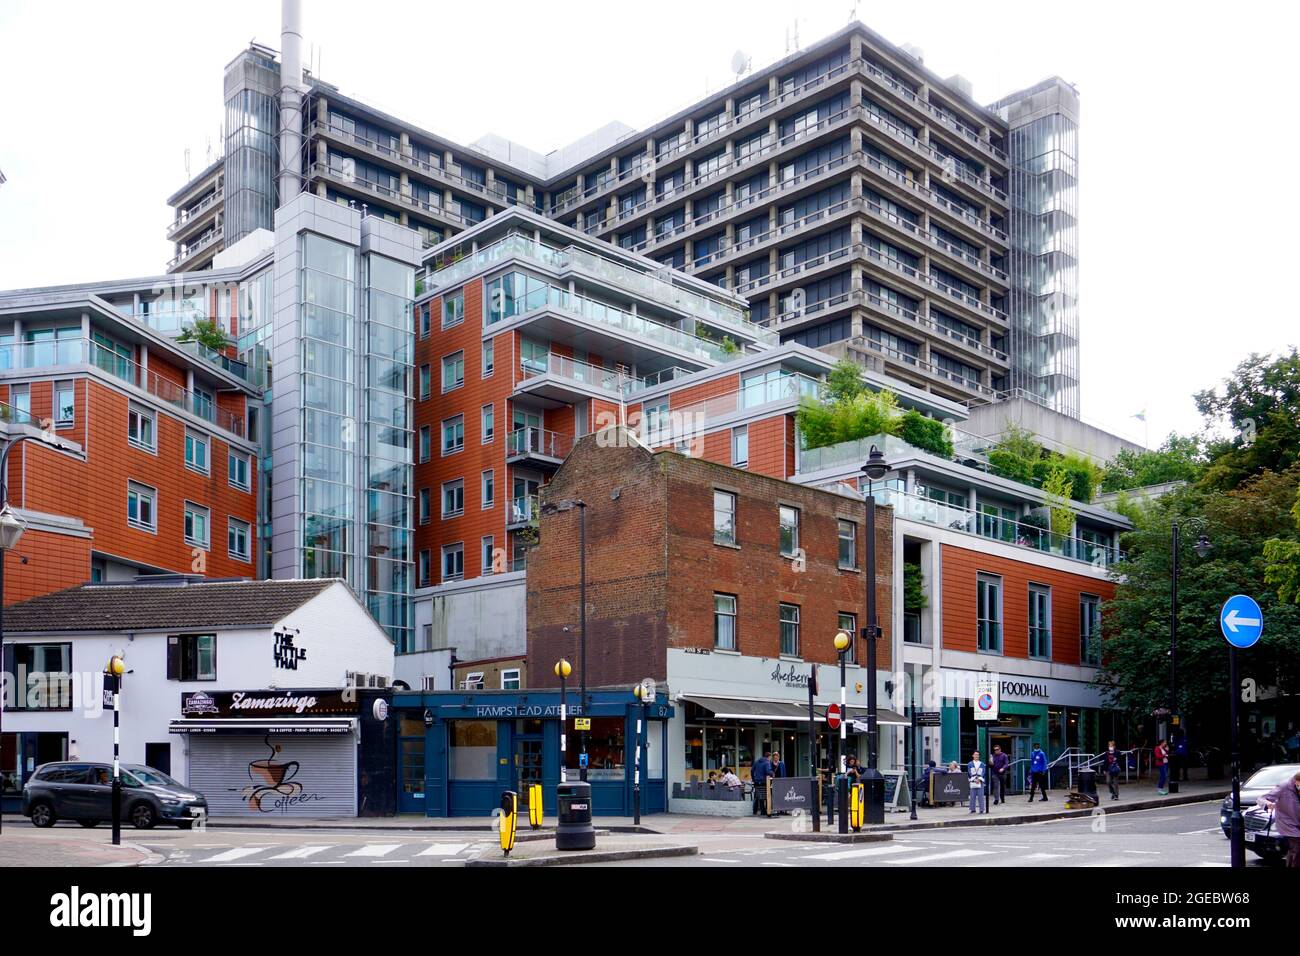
point(426, 381)
point(453, 434)
point(426, 505)
point(488, 490)
point(489, 358)
point(724, 518)
point(65, 404)
point(140, 428)
point(237, 536)
point(1040, 621)
point(425, 323)
point(1089, 629)
point(740, 446)
point(487, 548)
point(140, 507)
point(196, 525)
point(196, 452)
point(453, 498)
point(426, 441)
point(989, 611)
point(424, 568)
point(510, 679)
point(724, 622)
point(41, 676)
point(849, 624)
point(453, 309)
point(20, 397)
point(453, 371)
point(789, 630)
point(453, 562)
point(192, 657)
point(848, 545)
point(789, 530)
point(238, 467)
point(487, 423)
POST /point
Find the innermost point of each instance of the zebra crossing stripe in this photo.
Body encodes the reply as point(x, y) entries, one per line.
point(375, 849)
point(443, 849)
point(302, 852)
point(857, 854)
point(237, 853)
point(950, 855)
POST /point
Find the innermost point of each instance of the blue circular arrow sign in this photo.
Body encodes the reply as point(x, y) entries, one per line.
point(1241, 621)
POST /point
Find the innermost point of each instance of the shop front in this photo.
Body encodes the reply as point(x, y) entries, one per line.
point(287, 753)
point(733, 709)
point(458, 751)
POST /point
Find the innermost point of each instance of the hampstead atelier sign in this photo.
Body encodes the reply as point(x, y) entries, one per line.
point(267, 703)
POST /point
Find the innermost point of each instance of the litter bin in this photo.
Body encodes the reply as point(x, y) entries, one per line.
point(574, 830)
point(1088, 785)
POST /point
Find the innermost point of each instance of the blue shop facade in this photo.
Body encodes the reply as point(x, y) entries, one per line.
point(458, 751)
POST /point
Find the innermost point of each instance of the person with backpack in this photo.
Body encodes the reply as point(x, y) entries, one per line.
point(759, 774)
point(1110, 766)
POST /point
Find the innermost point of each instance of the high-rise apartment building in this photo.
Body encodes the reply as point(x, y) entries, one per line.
point(858, 202)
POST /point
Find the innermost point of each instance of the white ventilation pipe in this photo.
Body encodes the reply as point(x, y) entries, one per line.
point(291, 99)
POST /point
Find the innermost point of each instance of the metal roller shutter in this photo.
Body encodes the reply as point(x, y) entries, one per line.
point(248, 777)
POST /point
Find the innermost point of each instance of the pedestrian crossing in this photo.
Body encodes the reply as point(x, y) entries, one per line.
point(413, 853)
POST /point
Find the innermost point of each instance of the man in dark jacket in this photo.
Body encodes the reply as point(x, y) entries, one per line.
point(1110, 766)
point(999, 763)
point(1037, 773)
point(760, 773)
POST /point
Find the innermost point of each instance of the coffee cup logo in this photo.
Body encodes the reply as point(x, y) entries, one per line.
point(273, 787)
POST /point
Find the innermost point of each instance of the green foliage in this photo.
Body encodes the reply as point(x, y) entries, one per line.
point(1020, 442)
point(1260, 403)
point(1178, 459)
point(926, 434)
point(205, 332)
point(868, 413)
point(845, 381)
point(729, 346)
point(1058, 487)
point(914, 597)
point(1283, 568)
point(1008, 465)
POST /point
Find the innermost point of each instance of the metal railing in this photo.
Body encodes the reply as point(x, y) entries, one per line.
point(523, 510)
point(530, 440)
point(187, 216)
point(193, 248)
point(581, 373)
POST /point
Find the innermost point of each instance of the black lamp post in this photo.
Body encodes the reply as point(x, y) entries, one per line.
point(874, 811)
point(568, 504)
point(1202, 547)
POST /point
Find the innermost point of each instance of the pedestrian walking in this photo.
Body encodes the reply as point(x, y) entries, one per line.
point(1284, 801)
point(760, 773)
point(1160, 757)
point(1037, 772)
point(1182, 753)
point(976, 771)
point(1110, 766)
point(1000, 766)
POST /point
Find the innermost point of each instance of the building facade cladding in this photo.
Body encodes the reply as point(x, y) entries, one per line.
point(655, 568)
point(846, 191)
point(251, 162)
point(89, 516)
point(341, 348)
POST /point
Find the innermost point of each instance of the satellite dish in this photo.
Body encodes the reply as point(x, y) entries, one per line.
point(739, 62)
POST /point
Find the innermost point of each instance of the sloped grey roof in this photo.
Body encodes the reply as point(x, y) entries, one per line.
point(180, 603)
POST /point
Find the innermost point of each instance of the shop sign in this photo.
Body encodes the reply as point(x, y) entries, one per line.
point(514, 711)
point(268, 703)
point(949, 788)
point(285, 655)
point(582, 723)
point(789, 676)
point(791, 793)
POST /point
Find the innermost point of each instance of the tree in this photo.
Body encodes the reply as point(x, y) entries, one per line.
point(1180, 458)
point(1283, 568)
point(1059, 489)
point(848, 419)
point(927, 434)
point(844, 381)
point(1260, 404)
point(206, 333)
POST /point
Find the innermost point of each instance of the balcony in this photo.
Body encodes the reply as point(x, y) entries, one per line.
point(193, 249)
point(388, 194)
point(560, 380)
point(190, 218)
point(75, 354)
point(521, 513)
point(537, 447)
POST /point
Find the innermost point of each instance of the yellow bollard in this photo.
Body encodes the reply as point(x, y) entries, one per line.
point(857, 805)
point(509, 820)
point(535, 805)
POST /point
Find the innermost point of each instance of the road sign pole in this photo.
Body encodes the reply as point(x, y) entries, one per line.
point(812, 747)
point(1236, 824)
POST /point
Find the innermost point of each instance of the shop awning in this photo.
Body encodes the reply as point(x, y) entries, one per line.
point(282, 725)
point(727, 708)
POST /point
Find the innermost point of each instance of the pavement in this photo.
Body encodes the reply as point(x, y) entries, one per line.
point(63, 848)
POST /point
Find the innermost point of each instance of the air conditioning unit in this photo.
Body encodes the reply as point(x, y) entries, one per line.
point(472, 681)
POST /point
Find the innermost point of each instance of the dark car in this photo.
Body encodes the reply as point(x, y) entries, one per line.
point(84, 792)
point(1261, 835)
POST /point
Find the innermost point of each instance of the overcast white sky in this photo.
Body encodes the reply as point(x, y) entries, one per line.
point(1188, 135)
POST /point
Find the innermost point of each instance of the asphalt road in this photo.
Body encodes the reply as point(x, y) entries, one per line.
point(1185, 836)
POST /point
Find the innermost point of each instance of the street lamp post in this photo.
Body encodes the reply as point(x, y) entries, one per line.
point(636, 767)
point(569, 504)
point(874, 810)
point(842, 642)
point(1202, 548)
point(562, 670)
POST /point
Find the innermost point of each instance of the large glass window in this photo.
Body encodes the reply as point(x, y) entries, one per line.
point(453, 371)
point(65, 404)
point(790, 630)
point(140, 428)
point(473, 746)
point(239, 467)
point(724, 517)
point(453, 498)
point(140, 511)
point(1089, 629)
point(848, 536)
point(41, 676)
point(1040, 621)
point(724, 622)
point(453, 562)
point(989, 611)
point(789, 530)
point(196, 525)
point(237, 536)
point(196, 452)
point(192, 657)
point(453, 434)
